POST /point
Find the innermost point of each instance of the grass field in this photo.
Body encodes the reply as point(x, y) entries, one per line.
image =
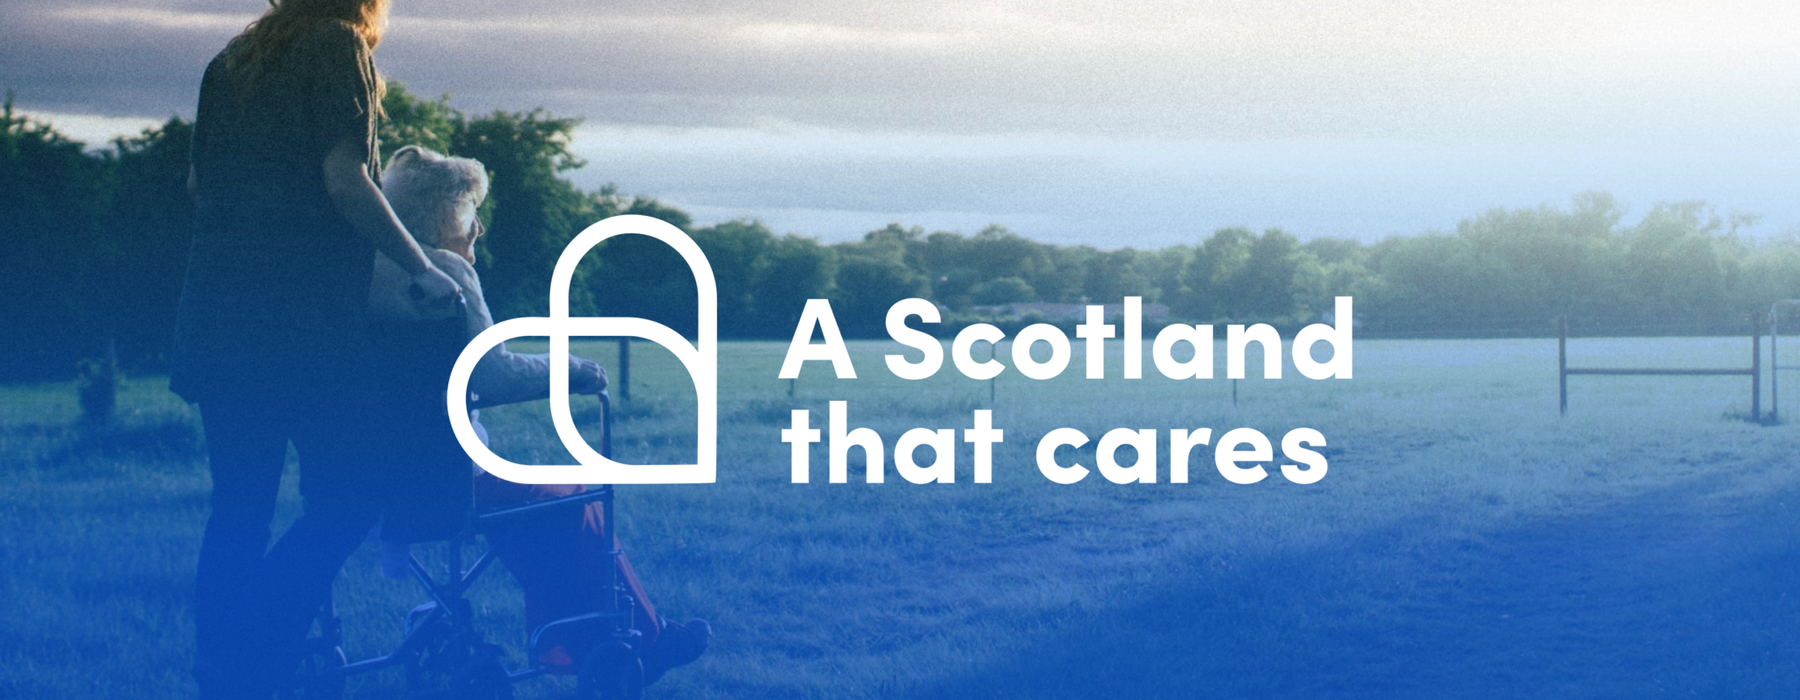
point(1467, 542)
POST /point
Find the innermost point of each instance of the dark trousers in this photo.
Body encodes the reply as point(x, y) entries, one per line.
point(253, 608)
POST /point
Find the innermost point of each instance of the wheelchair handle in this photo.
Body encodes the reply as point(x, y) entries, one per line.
point(605, 424)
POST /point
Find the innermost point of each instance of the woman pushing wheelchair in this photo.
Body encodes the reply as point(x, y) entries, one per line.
point(274, 326)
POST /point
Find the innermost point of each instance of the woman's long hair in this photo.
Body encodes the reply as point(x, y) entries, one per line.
point(286, 19)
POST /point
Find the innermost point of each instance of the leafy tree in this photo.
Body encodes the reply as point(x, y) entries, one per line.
point(1110, 276)
point(1005, 290)
point(152, 222)
point(1770, 271)
point(640, 276)
point(410, 120)
point(1166, 271)
point(99, 240)
point(1554, 259)
point(797, 269)
point(1333, 267)
point(535, 212)
point(945, 261)
point(995, 252)
point(739, 254)
point(651, 207)
point(1262, 288)
point(55, 197)
point(872, 275)
point(1671, 265)
point(1210, 271)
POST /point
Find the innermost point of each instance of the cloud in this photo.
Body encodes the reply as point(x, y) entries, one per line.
point(153, 18)
point(1327, 116)
point(1223, 69)
point(127, 60)
point(94, 131)
point(1152, 192)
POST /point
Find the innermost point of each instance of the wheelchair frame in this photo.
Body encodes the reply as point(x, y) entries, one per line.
point(445, 656)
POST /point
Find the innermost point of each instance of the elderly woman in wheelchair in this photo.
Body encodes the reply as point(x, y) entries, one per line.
point(586, 612)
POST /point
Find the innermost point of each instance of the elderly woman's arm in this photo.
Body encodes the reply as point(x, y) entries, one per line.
point(503, 376)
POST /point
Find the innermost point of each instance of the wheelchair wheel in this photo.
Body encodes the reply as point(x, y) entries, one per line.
point(611, 671)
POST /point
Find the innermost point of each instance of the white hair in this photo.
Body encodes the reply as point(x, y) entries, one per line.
point(428, 190)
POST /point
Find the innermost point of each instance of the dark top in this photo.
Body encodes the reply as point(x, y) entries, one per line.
point(277, 281)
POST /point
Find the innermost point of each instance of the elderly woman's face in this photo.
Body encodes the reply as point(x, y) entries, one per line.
point(461, 231)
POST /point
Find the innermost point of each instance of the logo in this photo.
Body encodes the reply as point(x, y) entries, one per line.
point(701, 360)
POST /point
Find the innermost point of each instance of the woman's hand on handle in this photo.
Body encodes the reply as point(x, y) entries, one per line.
point(361, 203)
point(432, 289)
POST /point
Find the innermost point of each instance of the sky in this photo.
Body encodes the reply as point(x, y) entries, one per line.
point(1119, 123)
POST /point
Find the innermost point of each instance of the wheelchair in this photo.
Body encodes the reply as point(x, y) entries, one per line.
point(443, 653)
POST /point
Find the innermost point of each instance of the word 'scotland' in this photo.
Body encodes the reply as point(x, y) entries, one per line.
point(1239, 454)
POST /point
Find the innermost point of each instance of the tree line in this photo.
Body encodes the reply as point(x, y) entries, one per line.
point(98, 242)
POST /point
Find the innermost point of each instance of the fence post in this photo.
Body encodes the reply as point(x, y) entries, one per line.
point(993, 350)
point(1562, 364)
point(1774, 363)
point(624, 368)
point(1756, 368)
